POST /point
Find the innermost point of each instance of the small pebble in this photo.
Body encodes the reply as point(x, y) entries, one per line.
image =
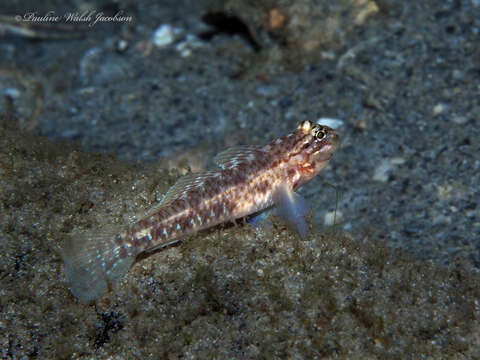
point(185, 47)
point(385, 167)
point(11, 92)
point(122, 45)
point(457, 74)
point(439, 109)
point(267, 90)
point(332, 217)
point(397, 161)
point(459, 119)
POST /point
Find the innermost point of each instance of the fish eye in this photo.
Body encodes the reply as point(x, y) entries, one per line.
point(318, 133)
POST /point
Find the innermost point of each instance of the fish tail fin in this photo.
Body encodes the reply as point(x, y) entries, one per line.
point(93, 263)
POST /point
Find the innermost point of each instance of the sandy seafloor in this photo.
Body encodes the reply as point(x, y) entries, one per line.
point(94, 130)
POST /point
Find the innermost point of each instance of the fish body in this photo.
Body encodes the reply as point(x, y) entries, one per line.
point(249, 179)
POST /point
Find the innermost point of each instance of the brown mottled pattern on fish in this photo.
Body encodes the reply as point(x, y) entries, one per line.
point(250, 179)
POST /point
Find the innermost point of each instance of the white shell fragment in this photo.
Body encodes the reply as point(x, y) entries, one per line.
point(185, 47)
point(385, 167)
point(439, 109)
point(332, 217)
point(330, 122)
point(165, 35)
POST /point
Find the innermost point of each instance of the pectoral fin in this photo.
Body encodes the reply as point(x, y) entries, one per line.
point(292, 208)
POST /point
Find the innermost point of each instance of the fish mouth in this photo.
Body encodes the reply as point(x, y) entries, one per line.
point(326, 151)
point(334, 140)
point(325, 154)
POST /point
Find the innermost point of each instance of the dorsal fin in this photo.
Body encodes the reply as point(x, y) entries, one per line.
point(186, 182)
point(235, 155)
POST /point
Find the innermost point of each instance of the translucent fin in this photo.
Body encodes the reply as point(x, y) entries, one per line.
point(92, 264)
point(260, 219)
point(185, 183)
point(234, 155)
point(292, 208)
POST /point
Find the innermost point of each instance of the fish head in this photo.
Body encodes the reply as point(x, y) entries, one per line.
point(314, 146)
